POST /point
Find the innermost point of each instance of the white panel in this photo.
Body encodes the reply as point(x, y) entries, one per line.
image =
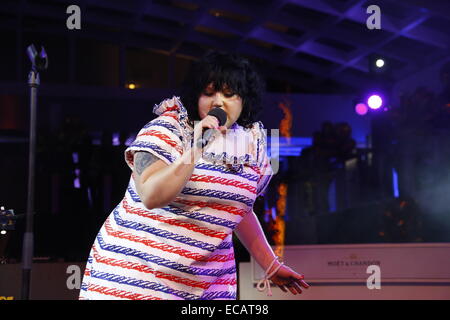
point(408, 271)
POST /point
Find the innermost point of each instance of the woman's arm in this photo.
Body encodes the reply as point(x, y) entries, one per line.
point(158, 183)
point(252, 236)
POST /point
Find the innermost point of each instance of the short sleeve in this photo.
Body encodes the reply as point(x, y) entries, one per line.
point(161, 137)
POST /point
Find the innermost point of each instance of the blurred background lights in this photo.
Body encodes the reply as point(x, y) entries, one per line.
point(361, 109)
point(374, 101)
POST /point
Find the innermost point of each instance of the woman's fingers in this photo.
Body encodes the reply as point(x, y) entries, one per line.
point(212, 122)
point(304, 284)
point(294, 287)
point(297, 287)
point(291, 288)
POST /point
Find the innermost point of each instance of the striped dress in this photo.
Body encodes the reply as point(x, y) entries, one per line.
point(183, 250)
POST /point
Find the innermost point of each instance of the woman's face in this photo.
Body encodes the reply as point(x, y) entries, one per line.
point(226, 99)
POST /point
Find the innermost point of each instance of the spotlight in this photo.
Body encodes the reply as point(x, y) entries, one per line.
point(361, 109)
point(131, 86)
point(374, 101)
point(379, 63)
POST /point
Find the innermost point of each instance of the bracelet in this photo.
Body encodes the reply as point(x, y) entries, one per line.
point(264, 283)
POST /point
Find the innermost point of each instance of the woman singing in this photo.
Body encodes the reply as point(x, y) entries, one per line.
point(171, 235)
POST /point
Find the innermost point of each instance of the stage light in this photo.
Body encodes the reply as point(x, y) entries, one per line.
point(75, 157)
point(3, 232)
point(116, 139)
point(395, 183)
point(374, 101)
point(361, 109)
point(379, 63)
point(131, 86)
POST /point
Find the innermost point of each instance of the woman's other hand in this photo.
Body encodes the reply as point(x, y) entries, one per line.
point(288, 279)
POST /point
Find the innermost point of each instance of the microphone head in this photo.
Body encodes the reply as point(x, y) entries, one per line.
point(219, 114)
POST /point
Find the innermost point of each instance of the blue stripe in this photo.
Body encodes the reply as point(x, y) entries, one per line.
point(161, 261)
point(164, 124)
point(143, 284)
point(218, 295)
point(201, 217)
point(134, 196)
point(162, 233)
point(224, 169)
point(257, 151)
point(190, 214)
point(154, 147)
point(225, 245)
point(218, 194)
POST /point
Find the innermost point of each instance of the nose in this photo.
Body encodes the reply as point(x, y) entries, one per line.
point(217, 100)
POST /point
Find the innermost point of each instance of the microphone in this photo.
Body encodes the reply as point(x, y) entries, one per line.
point(206, 136)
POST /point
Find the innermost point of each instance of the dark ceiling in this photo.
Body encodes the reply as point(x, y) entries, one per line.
point(305, 43)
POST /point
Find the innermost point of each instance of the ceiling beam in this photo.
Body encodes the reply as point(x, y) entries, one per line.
point(359, 15)
point(361, 53)
point(307, 43)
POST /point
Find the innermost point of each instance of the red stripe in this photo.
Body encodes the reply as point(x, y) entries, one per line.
point(120, 293)
point(171, 115)
point(221, 257)
point(146, 269)
point(173, 222)
point(163, 137)
point(222, 181)
point(213, 205)
point(172, 108)
point(165, 247)
point(256, 169)
point(231, 281)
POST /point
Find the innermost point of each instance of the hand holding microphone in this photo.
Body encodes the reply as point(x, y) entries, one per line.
point(215, 119)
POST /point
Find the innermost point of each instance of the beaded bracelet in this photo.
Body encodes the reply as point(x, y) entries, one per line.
point(264, 283)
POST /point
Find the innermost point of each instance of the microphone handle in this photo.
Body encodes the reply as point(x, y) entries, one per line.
point(221, 116)
point(207, 135)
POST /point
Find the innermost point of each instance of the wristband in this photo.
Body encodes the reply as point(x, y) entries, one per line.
point(264, 283)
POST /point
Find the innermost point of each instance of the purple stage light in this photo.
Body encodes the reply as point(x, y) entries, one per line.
point(374, 101)
point(361, 109)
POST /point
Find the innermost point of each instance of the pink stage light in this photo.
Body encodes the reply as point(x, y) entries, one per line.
point(361, 109)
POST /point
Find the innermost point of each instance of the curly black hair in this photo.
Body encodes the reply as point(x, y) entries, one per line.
point(232, 70)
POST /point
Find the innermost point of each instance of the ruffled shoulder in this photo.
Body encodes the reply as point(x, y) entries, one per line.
point(168, 105)
point(174, 107)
